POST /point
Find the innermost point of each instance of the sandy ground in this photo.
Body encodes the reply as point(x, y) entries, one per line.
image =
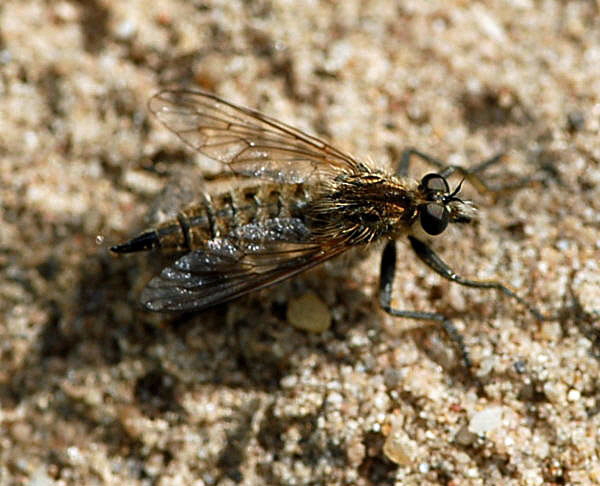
point(93, 390)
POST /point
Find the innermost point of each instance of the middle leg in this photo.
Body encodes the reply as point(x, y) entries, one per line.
point(386, 283)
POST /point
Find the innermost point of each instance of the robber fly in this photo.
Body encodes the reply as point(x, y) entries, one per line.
point(304, 202)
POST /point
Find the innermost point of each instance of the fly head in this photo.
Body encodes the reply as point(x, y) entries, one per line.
point(441, 206)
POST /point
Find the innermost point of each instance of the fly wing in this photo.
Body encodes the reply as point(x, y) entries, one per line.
point(225, 270)
point(252, 144)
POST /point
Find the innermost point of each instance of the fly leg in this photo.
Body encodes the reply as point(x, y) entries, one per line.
point(386, 283)
point(429, 257)
point(433, 261)
point(472, 174)
point(408, 154)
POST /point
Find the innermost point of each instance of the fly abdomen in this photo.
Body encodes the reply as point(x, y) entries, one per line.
point(255, 204)
point(172, 235)
point(219, 216)
point(192, 227)
point(146, 241)
point(197, 225)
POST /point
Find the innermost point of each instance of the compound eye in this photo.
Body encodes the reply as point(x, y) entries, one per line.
point(434, 218)
point(434, 183)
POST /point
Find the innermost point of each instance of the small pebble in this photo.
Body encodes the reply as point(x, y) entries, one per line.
point(309, 313)
point(486, 420)
point(399, 449)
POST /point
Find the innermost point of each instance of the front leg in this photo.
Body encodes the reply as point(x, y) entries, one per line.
point(472, 174)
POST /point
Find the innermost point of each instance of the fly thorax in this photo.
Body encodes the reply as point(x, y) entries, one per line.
point(362, 207)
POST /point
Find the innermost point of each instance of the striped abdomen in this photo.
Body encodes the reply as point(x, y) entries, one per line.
point(219, 215)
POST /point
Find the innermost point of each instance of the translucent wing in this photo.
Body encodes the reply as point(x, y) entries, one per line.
point(226, 270)
point(251, 143)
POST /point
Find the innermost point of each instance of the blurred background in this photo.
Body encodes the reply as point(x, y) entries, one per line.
point(93, 390)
